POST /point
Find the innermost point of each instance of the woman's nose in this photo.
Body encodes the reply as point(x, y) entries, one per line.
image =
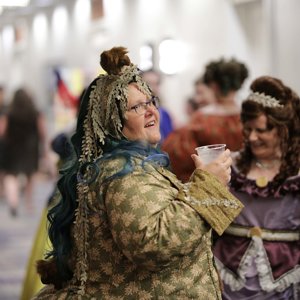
point(150, 110)
point(252, 136)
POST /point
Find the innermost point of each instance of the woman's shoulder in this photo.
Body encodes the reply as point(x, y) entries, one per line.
point(121, 165)
point(218, 110)
point(212, 120)
point(109, 167)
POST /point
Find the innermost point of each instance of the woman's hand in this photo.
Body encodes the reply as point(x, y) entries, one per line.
point(220, 167)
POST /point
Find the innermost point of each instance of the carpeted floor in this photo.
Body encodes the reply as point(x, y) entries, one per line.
point(16, 236)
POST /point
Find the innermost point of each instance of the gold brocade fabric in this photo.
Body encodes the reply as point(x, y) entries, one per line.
point(149, 235)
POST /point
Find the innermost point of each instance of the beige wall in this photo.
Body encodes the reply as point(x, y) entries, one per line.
point(262, 33)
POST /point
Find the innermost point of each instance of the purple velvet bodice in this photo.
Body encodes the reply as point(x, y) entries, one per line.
point(270, 207)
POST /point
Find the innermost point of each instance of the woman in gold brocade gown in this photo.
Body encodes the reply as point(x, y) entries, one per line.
point(126, 227)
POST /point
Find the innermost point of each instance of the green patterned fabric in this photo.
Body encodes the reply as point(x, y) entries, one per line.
point(149, 236)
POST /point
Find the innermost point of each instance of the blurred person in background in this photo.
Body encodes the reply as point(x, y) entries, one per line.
point(153, 79)
point(24, 138)
point(203, 96)
point(125, 227)
point(191, 105)
point(258, 256)
point(216, 123)
point(2, 115)
point(62, 146)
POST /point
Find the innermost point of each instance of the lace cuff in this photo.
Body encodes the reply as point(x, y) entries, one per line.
point(211, 200)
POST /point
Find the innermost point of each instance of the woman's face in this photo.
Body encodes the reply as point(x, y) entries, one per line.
point(203, 94)
point(264, 143)
point(142, 127)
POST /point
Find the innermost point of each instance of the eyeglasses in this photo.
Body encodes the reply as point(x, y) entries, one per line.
point(141, 108)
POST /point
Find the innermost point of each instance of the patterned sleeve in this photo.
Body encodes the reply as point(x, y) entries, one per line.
point(148, 223)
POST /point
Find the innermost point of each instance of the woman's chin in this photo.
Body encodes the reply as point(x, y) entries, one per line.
point(154, 141)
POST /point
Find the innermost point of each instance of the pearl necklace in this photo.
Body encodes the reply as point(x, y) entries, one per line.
point(264, 166)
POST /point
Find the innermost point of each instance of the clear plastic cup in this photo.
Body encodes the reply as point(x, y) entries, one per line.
point(208, 153)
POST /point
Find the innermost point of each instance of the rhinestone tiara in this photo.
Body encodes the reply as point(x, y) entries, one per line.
point(264, 100)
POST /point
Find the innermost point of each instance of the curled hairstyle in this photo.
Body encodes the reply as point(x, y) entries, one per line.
point(228, 75)
point(284, 117)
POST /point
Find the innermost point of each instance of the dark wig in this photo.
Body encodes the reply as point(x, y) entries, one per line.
point(62, 215)
point(286, 119)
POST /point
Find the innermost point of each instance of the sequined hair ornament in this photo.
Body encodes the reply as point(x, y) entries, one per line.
point(264, 100)
point(107, 105)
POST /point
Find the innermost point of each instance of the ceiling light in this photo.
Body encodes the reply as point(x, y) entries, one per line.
point(172, 56)
point(14, 2)
point(146, 57)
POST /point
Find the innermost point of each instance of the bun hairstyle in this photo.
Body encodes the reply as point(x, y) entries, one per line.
point(112, 61)
point(229, 75)
point(284, 115)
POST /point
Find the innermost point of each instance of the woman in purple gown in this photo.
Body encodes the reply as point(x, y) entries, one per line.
point(258, 257)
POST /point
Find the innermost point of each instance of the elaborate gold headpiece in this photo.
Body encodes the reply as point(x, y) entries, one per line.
point(108, 101)
point(264, 100)
point(107, 105)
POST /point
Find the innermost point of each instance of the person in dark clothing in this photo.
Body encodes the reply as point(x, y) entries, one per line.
point(24, 132)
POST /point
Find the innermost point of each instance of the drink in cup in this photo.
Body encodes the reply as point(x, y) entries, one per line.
point(208, 153)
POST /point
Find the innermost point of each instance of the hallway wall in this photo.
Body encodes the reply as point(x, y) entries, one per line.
point(257, 32)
